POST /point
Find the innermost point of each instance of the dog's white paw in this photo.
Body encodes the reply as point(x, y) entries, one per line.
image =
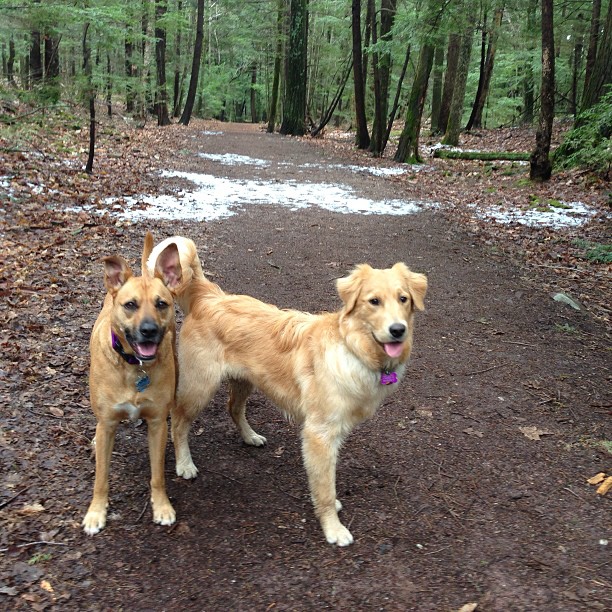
point(255, 440)
point(186, 469)
point(94, 521)
point(338, 535)
point(338, 505)
point(164, 515)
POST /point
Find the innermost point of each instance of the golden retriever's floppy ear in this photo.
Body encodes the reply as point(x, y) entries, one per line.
point(349, 287)
point(168, 267)
point(116, 273)
point(415, 284)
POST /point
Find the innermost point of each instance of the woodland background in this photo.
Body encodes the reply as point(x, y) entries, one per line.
point(440, 64)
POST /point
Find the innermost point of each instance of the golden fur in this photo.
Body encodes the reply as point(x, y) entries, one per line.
point(140, 312)
point(324, 371)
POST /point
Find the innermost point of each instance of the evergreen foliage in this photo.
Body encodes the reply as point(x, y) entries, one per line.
point(588, 145)
point(240, 47)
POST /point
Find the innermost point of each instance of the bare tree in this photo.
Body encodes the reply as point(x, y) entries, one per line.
point(294, 107)
point(362, 136)
point(195, 66)
point(161, 95)
point(540, 163)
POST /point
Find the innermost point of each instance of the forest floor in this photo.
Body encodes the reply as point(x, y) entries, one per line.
point(469, 486)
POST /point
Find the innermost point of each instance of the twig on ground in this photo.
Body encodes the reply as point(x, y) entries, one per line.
point(28, 544)
point(11, 499)
point(501, 365)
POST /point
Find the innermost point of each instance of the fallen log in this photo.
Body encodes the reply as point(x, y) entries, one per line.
point(482, 155)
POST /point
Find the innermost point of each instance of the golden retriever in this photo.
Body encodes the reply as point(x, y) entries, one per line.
point(327, 371)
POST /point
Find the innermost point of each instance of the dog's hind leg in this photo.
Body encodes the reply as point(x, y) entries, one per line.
point(239, 392)
point(95, 519)
point(163, 512)
point(190, 401)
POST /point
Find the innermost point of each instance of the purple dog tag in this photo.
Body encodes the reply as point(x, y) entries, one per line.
point(388, 378)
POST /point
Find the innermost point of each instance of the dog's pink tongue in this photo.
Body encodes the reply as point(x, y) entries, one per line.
point(394, 349)
point(147, 349)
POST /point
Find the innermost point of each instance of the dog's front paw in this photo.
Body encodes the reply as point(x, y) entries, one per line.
point(94, 521)
point(255, 440)
point(165, 515)
point(339, 535)
point(186, 469)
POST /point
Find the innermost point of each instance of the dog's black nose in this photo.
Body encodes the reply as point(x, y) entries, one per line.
point(148, 329)
point(397, 330)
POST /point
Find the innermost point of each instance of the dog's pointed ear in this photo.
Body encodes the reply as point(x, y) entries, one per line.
point(415, 284)
point(168, 267)
point(349, 287)
point(146, 252)
point(116, 273)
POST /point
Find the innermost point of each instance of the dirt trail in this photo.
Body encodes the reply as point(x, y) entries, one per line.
point(449, 499)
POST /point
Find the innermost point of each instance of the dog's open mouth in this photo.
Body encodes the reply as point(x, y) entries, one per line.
point(393, 349)
point(145, 350)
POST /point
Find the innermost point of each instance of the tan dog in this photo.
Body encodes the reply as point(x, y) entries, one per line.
point(328, 372)
point(133, 370)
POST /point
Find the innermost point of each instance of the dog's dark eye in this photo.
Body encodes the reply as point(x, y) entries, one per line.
point(374, 301)
point(131, 305)
point(403, 299)
point(161, 305)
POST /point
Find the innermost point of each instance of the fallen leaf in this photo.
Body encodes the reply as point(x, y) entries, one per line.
point(470, 431)
point(605, 486)
point(45, 585)
point(468, 607)
point(597, 478)
point(32, 509)
point(55, 411)
point(534, 433)
point(6, 590)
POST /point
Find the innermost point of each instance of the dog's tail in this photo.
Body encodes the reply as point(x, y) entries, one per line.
point(191, 268)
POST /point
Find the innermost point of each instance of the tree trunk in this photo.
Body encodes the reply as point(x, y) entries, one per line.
point(398, 92)
point(576, 63)
point(129, 74)
point(436, 89)
point(109, 87)
point(601, 75)
point(593, 43)
point(52, 69)
point(528, 81)
point(90, 94)
point(362, 136)
point(161, 95)
point(176, 89)
point(453, 127)
point(278, 59)
point(10, 63)
point(484, 83)
point(254, 118)
point(382, 71)
point(408, 147)
point(36, 67)
point(540, 164)
point(195, 66)
point(294, 106)
point(452, 57)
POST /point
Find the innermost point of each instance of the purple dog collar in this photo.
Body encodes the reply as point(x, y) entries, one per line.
point(131, 359)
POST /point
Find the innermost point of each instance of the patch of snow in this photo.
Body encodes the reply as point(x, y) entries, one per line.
point(574, 215)
point(217, 198)
point(230, 159)
point(211, 133)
